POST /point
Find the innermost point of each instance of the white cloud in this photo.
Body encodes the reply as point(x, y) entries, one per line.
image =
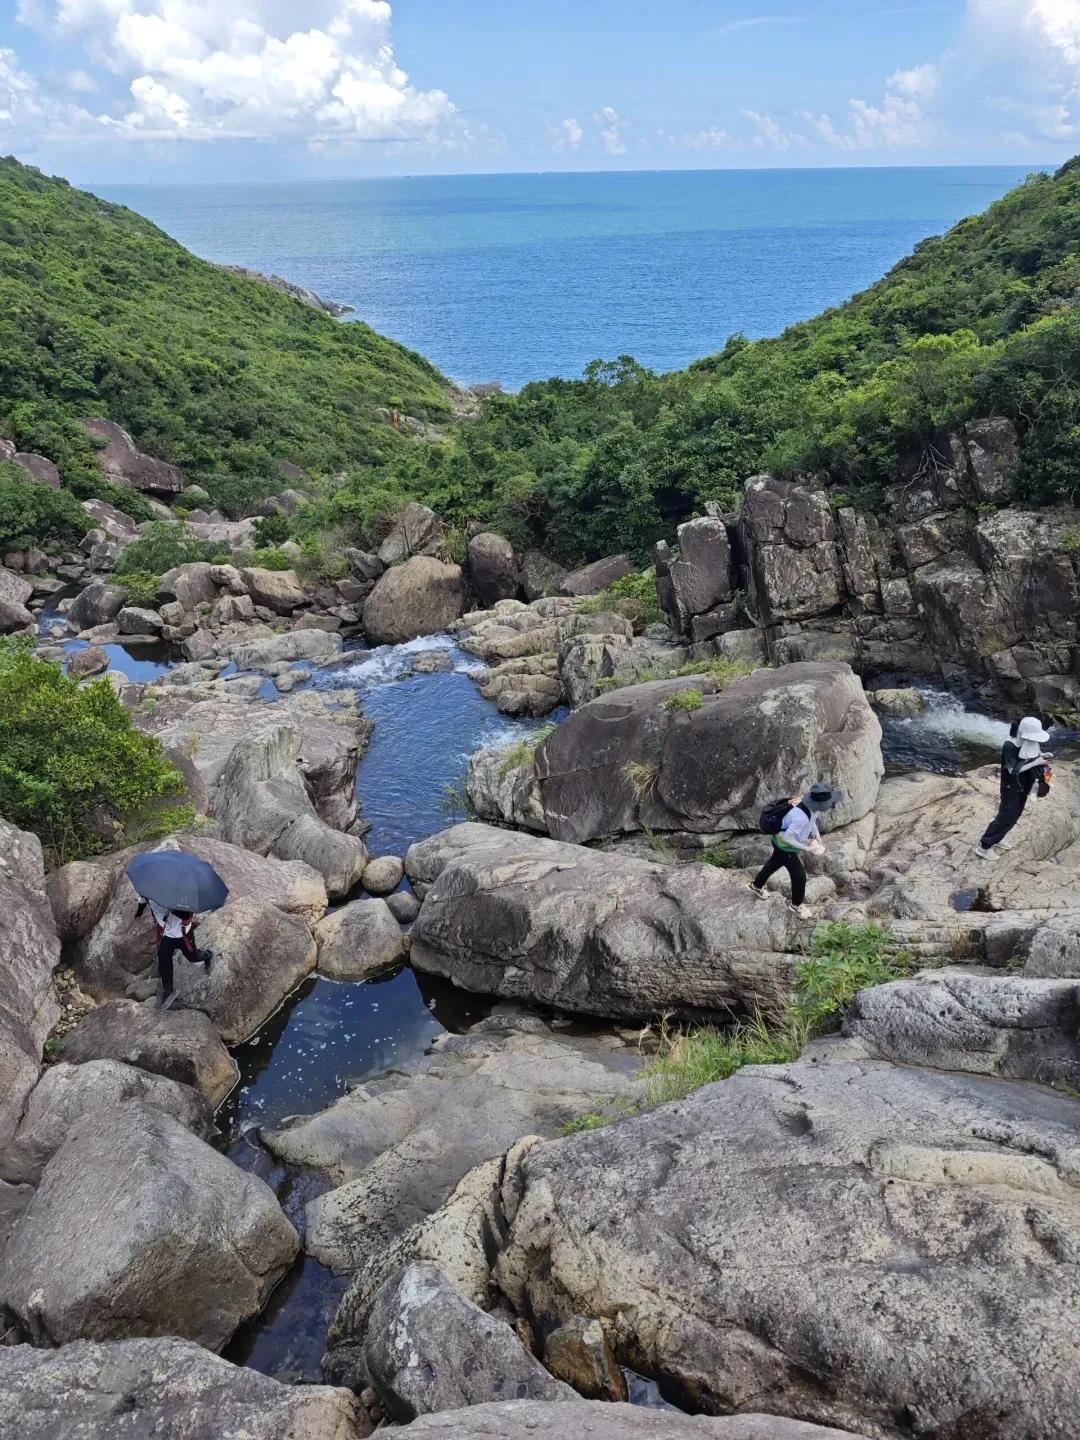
point(919, 83)
point(80, 82)
point(768, 133)
point(204, 69)
point(711, 138)
point(569, 134)
point(610, 134)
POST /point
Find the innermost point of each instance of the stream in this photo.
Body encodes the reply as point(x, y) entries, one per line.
point(329, 1035)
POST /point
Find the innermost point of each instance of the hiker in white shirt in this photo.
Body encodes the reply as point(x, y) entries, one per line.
point(798, 835)
point(175, 931)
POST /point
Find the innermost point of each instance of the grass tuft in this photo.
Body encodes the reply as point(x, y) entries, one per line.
point(684, 700)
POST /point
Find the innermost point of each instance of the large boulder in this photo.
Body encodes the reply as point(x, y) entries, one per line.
point(170, 1389)
point(421, 597)
point(634, 759)
point(140, 1228)
point(180, 1044)
point(14, 589)
point(982, 1022)
point(700, 579)
point(278, 590)
point(14, 618)
point(794, 564)
point(493, 568)
point(525, 1419)
point(430, 1349)
point(397, 1146)
point(190, 585)
point(122, 463)
point(65, 1093)
point(993, 458)
point(97, 604)
point(594, 932)
point(601, 574)
point(39, 468)
point(540, 575)
point(260, 956)
point(29, 953)
point(814, 1239)
point(263, 804)
point(136, 620)
point(359, 940)
point(267, 650)
point(116, 524)
point(416, 531)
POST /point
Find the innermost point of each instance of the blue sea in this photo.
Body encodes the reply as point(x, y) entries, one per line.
point(520, 277)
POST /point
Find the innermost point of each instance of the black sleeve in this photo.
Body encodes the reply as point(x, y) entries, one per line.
point(1010, 760)
point(141, 907)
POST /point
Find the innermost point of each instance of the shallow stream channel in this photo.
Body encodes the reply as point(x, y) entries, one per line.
point(330, 1035)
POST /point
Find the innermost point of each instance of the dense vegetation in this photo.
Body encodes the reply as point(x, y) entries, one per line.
point(101, 313)
point(33, 514)
point(71, 764)
point(982, 320)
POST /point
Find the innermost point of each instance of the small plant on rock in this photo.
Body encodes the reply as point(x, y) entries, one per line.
point(684, 700)
point(642, 776)
point(720, 857)
point(524, 751)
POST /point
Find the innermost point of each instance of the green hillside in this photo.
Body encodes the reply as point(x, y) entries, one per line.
point(102, 313)
point(982, 320)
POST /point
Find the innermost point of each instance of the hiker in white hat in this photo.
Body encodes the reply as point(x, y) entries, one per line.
point(1023, 765)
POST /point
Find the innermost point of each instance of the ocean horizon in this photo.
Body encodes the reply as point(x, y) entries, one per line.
point(520, 277)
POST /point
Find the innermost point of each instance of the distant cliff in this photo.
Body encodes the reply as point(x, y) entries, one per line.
point(298, 292)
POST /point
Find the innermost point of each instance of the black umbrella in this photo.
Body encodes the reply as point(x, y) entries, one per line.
point(177, 881)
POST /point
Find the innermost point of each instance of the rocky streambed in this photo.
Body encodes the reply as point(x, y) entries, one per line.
point(409, 1008)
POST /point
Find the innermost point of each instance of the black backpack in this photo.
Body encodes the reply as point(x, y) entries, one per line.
point(772, 817)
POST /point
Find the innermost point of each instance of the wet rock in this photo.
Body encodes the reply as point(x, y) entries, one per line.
point(359, 940)
point(404, 906)
point(180, 1044)
point(594, 932)
point(383, 874)
point(140, 1228)
point(601, 574)
point(91, 661)
point(420, 597)
point(904, 704)
point(122, 463)
point(65, 1093)
point(400, 1144)
point(633, 760)
point(524, 1419)
point(278, 590)
point(431, 1349)
point(79, 894)
point(493, 568)
point(44, 471)
point(260, 956)
point(263, 804)
point(133, 620)
point(935, 1214)
point(433, 662)
point(540, 575)
point(97, 604)
point(983, 1023)
point(171, 1389)
point(29, 953)
point(578, 1353)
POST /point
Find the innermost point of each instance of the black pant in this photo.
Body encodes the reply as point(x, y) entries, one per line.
point(1013, 799)
point(167, 948)
point(789, 861)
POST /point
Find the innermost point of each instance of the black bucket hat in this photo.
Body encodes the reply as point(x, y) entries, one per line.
point(822, 798)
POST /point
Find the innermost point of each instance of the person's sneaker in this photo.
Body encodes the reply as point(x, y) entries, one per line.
point(755, 891)
point(169, 1000)
point(983, 853)
point(1006, 844)
point(804, 912)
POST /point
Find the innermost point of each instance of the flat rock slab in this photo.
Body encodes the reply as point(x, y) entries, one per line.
point(402, 1143)
point(593, 932)
point(843, 1243)
point(594, 1420)
point(140, 1228)
point(168, 1389)
point(710, 768)
point(985, 1023)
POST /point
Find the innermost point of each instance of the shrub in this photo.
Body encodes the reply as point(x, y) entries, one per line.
point(71, 763)
point(162, 546)
point(720, 857)
point(271, 530)
point(272, 560)
point(140, 588)
point(691, 1059)
point(34, 514)
point(684, 700)
point(844, 959)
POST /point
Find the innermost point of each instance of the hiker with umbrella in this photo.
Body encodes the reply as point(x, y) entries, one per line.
point(177, 887)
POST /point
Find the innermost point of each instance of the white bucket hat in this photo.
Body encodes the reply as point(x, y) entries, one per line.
point(1031, 729)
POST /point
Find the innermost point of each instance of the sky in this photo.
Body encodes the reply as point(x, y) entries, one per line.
point(157, 90)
